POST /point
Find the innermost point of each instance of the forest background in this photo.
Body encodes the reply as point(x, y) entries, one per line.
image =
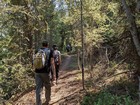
point(111, 39)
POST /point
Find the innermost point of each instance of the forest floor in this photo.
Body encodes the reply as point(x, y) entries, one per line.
point(68, 91)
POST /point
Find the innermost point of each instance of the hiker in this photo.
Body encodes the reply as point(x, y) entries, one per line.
point(68, 48)
point(42, 69)
point(57, 61)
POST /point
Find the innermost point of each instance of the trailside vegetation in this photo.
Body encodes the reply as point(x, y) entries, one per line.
point(112, 44)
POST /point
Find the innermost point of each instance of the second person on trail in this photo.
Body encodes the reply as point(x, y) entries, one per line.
point(57, 61)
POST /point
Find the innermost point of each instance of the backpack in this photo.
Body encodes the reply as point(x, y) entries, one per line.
point(40, 59)
point(56, 54)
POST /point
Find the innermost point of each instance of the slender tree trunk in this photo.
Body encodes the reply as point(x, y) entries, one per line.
point(83, 42)
point(78, 59)
point(133, 30)
point(62, 41)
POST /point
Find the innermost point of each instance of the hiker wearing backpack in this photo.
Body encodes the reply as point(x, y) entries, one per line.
point(57, 61)
point(68, 48)
point(42, 61)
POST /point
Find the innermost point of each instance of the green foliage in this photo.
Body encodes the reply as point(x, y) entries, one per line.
point(20, 21)
point(14, 79)
point(99, 18)
point(25, 23)
point(106, 98)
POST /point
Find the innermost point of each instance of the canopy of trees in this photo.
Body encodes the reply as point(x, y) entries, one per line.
point(111, 28)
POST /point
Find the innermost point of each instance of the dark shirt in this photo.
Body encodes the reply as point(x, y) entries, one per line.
point(46, 69)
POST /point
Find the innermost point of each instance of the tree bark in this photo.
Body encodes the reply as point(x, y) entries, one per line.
point(78, 59)
point(134, 29)
point(83, 42)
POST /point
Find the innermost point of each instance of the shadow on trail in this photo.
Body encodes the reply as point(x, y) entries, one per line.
point(70, 74)
point(22, 94)
point(67, 91)
point(66, 98)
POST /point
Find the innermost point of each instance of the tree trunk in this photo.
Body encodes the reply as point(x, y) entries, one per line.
point(78, 59)
point(62, 42)
point(83, 42)
point(134, 29)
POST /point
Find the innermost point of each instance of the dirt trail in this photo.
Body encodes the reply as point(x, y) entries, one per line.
point(67, 92)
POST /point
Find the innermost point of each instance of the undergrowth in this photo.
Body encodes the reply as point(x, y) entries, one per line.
point(106, 98)
point(113, 85)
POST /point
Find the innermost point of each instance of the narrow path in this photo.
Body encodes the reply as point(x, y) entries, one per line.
point(67, 92)
point(65, 63)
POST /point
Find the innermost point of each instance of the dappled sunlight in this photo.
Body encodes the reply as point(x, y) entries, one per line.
point(68, 90)
point(98, 57)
